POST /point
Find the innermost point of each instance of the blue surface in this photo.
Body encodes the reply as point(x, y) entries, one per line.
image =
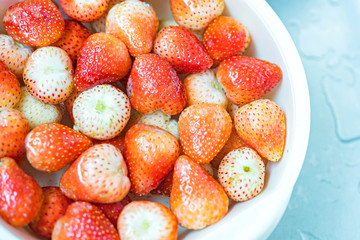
point(326, 199)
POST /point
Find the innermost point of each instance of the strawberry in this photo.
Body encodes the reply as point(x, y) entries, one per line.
point(150, 154)
point(163, 23)
point(232, 109)
point(84, 221)
point(135, 23)
point(113, 210)
point(118, 142)
point(182, 49)
point(35, 23)
point(36, 112)
point(50, 147)
point(101, 112)
point(204, 88)
point(14, 54)
point(246, 79)
point(196, 199)
point(242, 174)
point(73, 38)
point(147, 220)
point(9, 87)
point(262, 125)
point(48, 75)
point(69, 103)
point(99, 25)
point(53, 207)
point(153, 84)
point(196, 14)
point(20, 196)
point(84, 10)
point(234, 142)
point(204, 129)
point(98, 175)
point(225, 37)
point(93, 66)
point(13, 130)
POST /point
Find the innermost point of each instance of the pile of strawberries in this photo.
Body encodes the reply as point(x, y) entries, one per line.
point(158, 107)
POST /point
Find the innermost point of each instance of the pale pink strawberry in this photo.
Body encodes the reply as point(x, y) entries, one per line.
point(37, 112)
point(196, 14)
point(84, 10)
point(101, 112)
point(98, 175)
point(241, 173)
point(135, 23)
point(99, 25)
point(14, 54)
point(204, 88)
point(181, 48)
point(73, 38)
point(147, 220)
point(262, 125)
point(9, 87)
point(48, 75)
point(84, 221)
point(13, 130)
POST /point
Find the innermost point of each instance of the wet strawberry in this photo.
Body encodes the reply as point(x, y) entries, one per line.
point(84, 10)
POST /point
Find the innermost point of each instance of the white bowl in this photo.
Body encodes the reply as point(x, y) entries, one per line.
point(257, 218)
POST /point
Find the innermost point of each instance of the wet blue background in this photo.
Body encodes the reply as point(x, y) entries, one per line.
point(326, 199)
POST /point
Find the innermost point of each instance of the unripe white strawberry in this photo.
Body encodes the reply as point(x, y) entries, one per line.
point(241, 173)
point(37, 112)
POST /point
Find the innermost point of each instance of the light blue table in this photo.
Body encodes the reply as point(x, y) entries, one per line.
point(326, 199)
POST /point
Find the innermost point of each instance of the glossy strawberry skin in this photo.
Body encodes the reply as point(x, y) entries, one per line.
point(113, 210)
point(225, 37)
point(93, 66)
point(182, 50)
point(73, 38)
point(262, 125)
point(83, 10)
point(53, 207)
point(20, 196)
point(153, 84)
point(204, 129)
point(9, 88)
point(13, 130)
point(34, 22)
point(193, 186)
point(150, 154)
point(246, 79)
point(50, 147)
point(84, 220)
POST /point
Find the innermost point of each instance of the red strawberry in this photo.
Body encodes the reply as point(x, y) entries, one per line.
point(102, 59)
point(73, 38)
point(135, 23)
point(14, 54)
point(34, 22)
point(84, 10)
point(101, 112)
point(98, 175)
point(204, 129)
point(84, 221)
point(147, 220)
point(234, 142)
point(54, 206)
point(13, 130)
point(150, 154)
point(196, 199)
point(153, 84)
point(262, 125)
point(196, 14)
point(9, 87)
point(242, 174)
point(182, 49)
point(20, 196)
point(113, 210)
point(225, 37)
point(48, 75)
point(204, 88)
point(246, 79)
point(118, 142)
point(50, 147)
